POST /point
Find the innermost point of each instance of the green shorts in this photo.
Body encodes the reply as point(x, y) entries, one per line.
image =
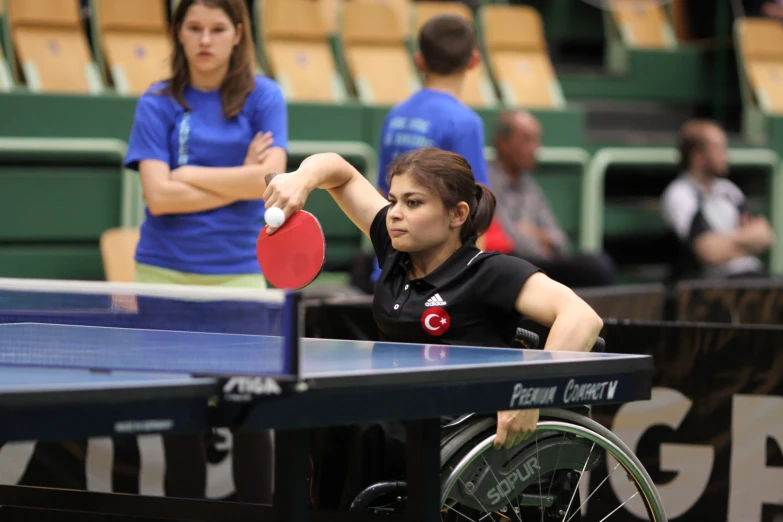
point(157, 275)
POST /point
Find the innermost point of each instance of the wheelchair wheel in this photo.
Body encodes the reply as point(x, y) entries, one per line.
point(545, 478)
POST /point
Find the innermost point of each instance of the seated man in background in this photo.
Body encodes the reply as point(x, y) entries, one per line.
point(720, 236)
point(523, 212)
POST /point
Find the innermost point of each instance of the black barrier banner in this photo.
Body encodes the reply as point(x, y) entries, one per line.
point(711, 437)
point(749, 301)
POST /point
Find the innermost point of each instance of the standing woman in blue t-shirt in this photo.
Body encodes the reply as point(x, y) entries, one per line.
point(202, 142)
point(191, 143)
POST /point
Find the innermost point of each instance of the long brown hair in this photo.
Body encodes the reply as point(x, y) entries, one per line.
point(239, 81)
point(449, 176)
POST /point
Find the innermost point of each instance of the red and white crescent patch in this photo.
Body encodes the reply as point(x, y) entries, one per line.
point(435, 321)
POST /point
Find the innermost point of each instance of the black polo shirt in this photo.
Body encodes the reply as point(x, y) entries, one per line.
point(468, 300)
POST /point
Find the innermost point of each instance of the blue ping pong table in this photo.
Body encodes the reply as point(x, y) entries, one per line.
point(61, 381)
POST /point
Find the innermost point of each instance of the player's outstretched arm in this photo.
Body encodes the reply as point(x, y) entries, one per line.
point(166, 196)
point(574, 325)
point(356, 196)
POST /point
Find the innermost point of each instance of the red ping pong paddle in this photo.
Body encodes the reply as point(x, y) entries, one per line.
point(293, 256)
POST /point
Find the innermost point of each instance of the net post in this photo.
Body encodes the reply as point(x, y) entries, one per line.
point(292, 325)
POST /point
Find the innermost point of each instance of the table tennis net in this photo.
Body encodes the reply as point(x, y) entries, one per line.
point(143, 306)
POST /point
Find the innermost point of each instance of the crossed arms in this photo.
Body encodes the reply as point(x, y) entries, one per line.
point(753, 237)
point(195, 189)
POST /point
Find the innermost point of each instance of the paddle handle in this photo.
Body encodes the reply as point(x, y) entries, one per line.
point(268, 177)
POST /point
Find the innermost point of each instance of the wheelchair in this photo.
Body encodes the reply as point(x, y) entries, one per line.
point(547, 477)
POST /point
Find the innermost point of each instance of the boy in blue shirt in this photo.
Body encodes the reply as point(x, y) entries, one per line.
point(435, 116)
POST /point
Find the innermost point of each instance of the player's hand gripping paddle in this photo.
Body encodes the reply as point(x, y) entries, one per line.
point(293, 255)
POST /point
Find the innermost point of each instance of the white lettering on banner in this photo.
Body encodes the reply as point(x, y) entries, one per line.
point(152, 469)
point(692, 463)
point(14, 458)
point(755, 419)
point(522, 396)
point(98, 465)
point(589, 392)
point(220, 474)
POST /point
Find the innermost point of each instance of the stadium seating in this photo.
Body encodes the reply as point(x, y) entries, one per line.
point(330, 11)
point(642, 25)
point(514, 44)
point(761, 44)
point(51, 46)
point(376, 53)
point(322, 56)
point(478, 90)
point(635, 26)
point(759, 50)
point(401, 10)
point(133, 39)
point(294, 39)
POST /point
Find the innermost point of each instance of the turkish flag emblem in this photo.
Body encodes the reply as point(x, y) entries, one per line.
point(435, 321)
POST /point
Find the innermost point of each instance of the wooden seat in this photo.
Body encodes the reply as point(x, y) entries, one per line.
point(477, 90)
point(135, 42)
point(118, 249)
point(376, 53)
point(330, 10)
point(298, 54)
point(642, 24)
point(761, 47)
point(51, 46)
point(400, 11)
point(518, 56)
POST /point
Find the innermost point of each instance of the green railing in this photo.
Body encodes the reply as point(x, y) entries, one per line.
point(591, 230)
point(551, 156)
point(78, 148)
point(593, 193)
point(132, 203)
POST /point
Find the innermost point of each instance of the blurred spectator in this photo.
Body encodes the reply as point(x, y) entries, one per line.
point(523, 211)
point(201, 142)
point(720, 236)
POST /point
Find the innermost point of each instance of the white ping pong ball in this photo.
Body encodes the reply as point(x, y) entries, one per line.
point(274, 216)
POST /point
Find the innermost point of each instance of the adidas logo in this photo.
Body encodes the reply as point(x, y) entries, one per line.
point(435, 300)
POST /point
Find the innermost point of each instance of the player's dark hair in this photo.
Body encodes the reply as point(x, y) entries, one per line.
point(239, 81)
point(449, 176)
point(691, 139)
point(446, 43)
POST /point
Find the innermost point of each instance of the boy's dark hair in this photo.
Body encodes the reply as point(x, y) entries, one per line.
point(446, 43)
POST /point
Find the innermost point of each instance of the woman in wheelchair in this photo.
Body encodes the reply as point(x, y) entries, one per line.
point(436, 285)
